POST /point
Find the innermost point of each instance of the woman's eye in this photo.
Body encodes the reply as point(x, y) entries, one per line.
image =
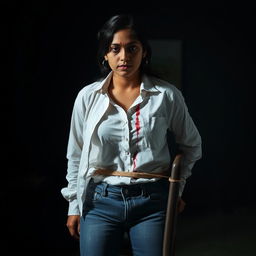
point(115, 49)
point(133, 48)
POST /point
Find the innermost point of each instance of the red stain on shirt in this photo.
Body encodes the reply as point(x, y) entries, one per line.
point(137, 121)
point(137, 126)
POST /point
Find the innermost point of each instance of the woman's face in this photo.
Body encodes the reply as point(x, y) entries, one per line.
point(125, 54)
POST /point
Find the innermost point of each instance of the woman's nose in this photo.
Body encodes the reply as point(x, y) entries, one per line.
point(124, 55)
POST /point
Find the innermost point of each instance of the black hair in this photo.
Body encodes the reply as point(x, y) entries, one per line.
point(106, 34)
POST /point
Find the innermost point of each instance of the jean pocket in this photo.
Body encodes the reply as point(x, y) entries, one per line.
point(97, 196)
point(158, 197)
point(155, 197)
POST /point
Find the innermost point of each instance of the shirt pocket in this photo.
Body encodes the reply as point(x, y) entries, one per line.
point(156, 130)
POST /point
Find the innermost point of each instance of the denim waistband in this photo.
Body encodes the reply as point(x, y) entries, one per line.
point(133, 189)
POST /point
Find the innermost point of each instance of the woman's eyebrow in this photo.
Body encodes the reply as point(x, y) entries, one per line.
point(133, 42)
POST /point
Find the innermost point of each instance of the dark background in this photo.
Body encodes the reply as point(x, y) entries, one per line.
point(51, 52)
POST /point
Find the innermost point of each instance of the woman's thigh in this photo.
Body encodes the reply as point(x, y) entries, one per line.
point(101, 226)
point(147, 231)
point(98, 237)
point(147, 236)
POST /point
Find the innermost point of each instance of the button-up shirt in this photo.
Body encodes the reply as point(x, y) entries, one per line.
point(103, 135)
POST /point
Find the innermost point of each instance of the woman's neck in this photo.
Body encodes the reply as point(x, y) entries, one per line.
point(124, 83)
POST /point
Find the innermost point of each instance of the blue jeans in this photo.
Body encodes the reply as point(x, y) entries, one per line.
point(137, 209)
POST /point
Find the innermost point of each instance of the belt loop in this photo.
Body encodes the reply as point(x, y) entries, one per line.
point(104, 189)
point(143, 190)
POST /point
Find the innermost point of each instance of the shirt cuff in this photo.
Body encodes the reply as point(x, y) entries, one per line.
point(73, 208)
point(181, 188)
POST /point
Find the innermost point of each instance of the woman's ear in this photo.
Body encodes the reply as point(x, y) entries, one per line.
point(106, 58)
point(144, 54)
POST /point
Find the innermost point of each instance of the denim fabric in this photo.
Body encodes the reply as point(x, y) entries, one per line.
point(111, 210)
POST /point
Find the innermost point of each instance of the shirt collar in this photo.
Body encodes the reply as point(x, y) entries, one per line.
point(102, 87)
point(145, 86)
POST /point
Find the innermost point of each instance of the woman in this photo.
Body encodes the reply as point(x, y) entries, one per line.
point(120, 124)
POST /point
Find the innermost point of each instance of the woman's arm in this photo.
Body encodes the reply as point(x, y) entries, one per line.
point(74, 150)
point(186, 136)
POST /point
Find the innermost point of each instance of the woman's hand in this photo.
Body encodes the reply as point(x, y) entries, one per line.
point(181, 205)
point(73, 224)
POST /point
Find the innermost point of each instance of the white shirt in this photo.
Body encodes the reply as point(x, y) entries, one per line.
point(103, 135)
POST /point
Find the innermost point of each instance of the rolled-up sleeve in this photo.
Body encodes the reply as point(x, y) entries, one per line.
point(74, 150)
point(186, 135)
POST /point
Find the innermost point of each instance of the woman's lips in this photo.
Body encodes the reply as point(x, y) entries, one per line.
point(123, 67)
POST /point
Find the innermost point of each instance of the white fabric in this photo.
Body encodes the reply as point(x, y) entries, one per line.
point(103, 135)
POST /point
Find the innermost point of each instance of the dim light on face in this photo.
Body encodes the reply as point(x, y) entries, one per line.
point(125, 54)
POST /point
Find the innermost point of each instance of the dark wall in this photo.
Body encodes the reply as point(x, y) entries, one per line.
point(51, 52)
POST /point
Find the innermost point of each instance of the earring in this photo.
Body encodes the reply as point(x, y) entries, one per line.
point(104, 62)
point(145, 61)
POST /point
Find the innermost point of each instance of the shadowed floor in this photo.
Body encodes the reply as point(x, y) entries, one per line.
point(223, 234)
